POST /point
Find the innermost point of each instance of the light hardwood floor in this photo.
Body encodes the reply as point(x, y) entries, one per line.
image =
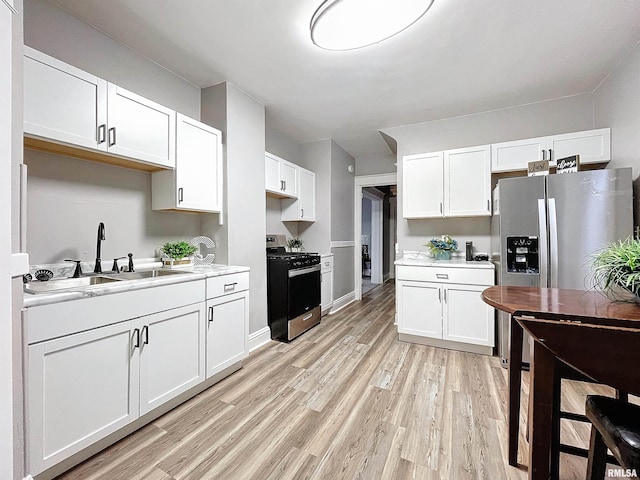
point(346, 400)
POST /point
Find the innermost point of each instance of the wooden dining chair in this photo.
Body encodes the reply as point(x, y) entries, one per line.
point(615, 425)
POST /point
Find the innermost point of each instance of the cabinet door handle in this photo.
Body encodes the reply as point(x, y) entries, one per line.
point(302, 212)
point(281, 184)
point(230, 286)
point(544, 156)
point(285, 184)
point(136, 335)
point(549, 154)
point(210, 314)
point(112, 136)
point(445, 296)
point(488, 205)
point(102, 133)
point(442, 276)
point(180, 194)
point(440, 295)
point(145, 332)
point(440, 207)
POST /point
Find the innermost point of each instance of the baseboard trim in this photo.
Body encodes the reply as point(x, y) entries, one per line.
point(450, 345)
point(259, 338)
point(343, 301)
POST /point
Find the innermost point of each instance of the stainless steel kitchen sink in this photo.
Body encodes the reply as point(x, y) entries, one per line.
point(145, 274)
point(66, 283)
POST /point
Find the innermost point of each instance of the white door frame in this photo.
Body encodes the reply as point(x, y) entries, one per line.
point(375, 244)
point(361, 182)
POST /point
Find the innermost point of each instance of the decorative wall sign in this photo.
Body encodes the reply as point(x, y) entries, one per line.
point(198, 258)
point(568, 164)
point(541, 167)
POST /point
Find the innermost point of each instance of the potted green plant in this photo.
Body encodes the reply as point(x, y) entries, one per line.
point(616, 270)
point(294, 244)
point(177, 253)
point(441, 248)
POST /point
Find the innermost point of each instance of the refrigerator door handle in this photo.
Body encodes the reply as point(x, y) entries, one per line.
point(542, 242)
point(553, 247)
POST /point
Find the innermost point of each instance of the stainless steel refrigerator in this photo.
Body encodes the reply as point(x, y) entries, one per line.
point(544, 230)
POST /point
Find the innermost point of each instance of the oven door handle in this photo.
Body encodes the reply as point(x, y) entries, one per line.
point(303, 271)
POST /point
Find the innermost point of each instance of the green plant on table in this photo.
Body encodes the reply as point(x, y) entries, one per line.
point(616, 269)
point(178, 250)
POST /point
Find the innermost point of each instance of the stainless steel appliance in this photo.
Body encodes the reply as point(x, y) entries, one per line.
point(545, 228)
point(293, 290)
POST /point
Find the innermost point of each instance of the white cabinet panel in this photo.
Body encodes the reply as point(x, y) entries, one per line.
point(139, 128)
point(196, 183)
point(445, 314)
point(593, 146)
point(422, 185)
point(171, 354)
point(227, 320)
point(82, 387)
point(467, 182)
point(326, 283)
point(281, 177)
point(63, 103)
point(420, 309)
point(302, 208)
point(466, 317)
point(508, 156)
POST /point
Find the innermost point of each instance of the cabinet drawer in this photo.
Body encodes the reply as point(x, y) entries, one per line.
point(226, 284)
point(469, 276)
point(326, 262)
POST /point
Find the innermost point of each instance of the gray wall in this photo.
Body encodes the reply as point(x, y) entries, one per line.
point(55, 32)
point(375, 164)
point(617, 105)
point(342, 219)
point(316, 156)
point(241, 119)
point(66, 197)
point(281, 145)
point(556, 116)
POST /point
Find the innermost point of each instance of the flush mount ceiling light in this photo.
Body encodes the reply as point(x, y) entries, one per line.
point(352, 24)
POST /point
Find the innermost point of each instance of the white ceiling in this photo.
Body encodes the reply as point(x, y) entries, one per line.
point(463, 56)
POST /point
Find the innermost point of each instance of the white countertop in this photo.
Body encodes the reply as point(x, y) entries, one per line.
point(424, 260)
point(191, 274)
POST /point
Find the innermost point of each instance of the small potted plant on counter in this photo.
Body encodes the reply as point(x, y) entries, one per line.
point(616, 270)
point(441, 248)
point(178, 253)
point(294, 244)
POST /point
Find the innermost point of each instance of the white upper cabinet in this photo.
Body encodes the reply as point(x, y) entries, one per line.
point(304, 207)
point(593, 146)
point(196, 182)
point(422, 185)
point(516, 155)
point(139, 128)
point(65, 105)
point(467, 182)
point(280, 177)
point(453, 183)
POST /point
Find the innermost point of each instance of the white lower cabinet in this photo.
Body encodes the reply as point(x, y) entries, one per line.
point(98, 364)
point(326, 283)
point(172, 346)
point(84, 386)
point(227, 321)
point(436, 306)
point(81, 388)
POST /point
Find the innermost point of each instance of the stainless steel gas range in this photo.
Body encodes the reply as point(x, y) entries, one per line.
point(293, 290)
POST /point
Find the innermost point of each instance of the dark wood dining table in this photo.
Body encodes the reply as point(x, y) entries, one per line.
point(584, 329)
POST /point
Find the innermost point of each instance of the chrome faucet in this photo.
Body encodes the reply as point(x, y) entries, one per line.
point(98, 267)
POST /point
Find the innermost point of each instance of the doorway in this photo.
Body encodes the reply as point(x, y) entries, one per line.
point(375, 231)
